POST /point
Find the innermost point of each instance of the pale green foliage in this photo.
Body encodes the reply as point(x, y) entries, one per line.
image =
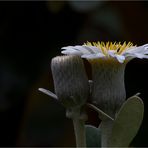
point(121, 131)
point(93, 136)
point(127, 122)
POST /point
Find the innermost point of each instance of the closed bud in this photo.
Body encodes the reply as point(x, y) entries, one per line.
point(70, 80)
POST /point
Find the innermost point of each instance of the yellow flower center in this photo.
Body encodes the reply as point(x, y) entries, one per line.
point(116, 46)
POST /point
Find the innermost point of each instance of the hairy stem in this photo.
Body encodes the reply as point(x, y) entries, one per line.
point(79, 118)
point(106, 129)
point(79, 128)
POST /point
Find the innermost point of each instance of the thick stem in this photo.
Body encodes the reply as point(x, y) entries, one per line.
point(79, 118)
point(106, 130)
point(79, 128)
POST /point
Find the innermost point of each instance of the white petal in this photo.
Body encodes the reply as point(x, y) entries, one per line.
point(93, 56)
point(141, 49)
point(71, 52)
point(111, 53)
point(120, 58)
point(78, 48)
point(136, 55)
point(93, 49)
point(140, 56)
point(83, 49)
point(68, 48)
point(145, 46)
point(87, 49)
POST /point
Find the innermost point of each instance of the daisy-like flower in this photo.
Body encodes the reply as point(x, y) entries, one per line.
point(121, 52)
point(108, 62)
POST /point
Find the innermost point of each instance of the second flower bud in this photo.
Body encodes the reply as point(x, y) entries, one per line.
point(70, 80)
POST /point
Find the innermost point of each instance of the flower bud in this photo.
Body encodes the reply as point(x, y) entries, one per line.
point(108, 91)
point(70, 80)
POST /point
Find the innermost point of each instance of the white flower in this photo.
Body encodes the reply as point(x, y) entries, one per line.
point(121, 52)
point(108, 62)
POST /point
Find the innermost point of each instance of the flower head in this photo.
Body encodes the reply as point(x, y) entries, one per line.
point(108, 90)
point(108, 61)
point(121, 52)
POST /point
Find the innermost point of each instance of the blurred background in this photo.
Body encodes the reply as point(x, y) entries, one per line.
point(31, 33)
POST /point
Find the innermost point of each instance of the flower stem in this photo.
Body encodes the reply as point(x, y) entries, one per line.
point(79, 128)
point(106, 129)
point(79, 117)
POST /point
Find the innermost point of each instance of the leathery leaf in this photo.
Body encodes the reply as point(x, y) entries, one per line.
point(127, 122)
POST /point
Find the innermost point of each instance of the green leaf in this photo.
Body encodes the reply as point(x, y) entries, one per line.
point(93, 136)
point(127, 122)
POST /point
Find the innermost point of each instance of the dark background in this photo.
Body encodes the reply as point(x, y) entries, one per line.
point(31, 33)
